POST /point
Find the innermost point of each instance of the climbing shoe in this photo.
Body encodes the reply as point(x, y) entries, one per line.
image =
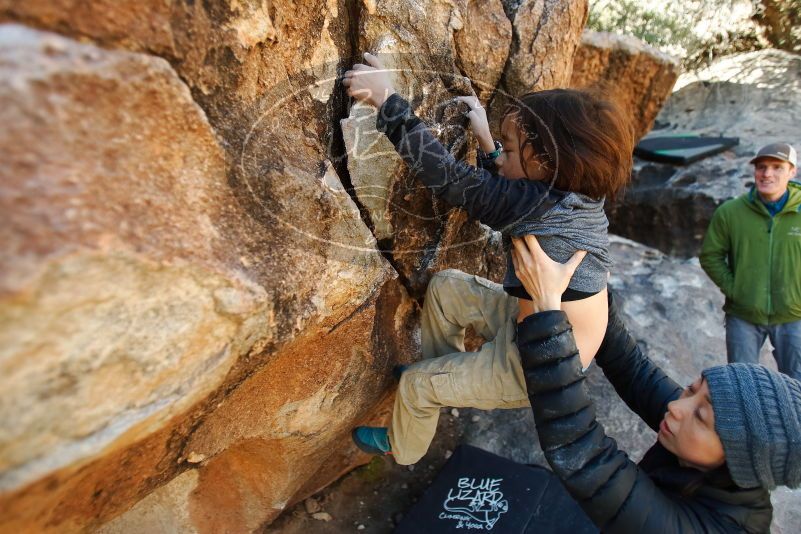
point(372, 440)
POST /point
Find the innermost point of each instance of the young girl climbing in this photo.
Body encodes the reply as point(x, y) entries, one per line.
point(563, 151)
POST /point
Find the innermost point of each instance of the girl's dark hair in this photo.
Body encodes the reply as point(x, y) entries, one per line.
point(580, 136)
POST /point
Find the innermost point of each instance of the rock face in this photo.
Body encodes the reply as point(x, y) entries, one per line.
point(753, 96)
point(535, 23)
point(194, 306)
point(131, 265)
point(482, 39)
point(74, 255)
point(636, 76)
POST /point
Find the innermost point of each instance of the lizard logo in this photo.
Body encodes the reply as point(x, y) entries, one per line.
point(476, 504)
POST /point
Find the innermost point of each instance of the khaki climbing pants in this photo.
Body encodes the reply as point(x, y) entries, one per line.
point(447, 375)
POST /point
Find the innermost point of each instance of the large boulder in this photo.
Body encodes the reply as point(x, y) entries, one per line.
point(753, 96)
point(638, 77)
point(195, 308)
point(139, 297)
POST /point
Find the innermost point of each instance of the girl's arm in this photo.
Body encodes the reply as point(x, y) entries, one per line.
point(488, 148)
point(484, 161)
point(495, 201)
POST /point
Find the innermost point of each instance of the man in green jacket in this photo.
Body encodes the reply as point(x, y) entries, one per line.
point(752, 251)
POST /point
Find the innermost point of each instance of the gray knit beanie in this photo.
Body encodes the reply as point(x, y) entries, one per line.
point(758, 419)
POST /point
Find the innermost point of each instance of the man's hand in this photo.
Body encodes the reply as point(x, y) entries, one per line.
point(544, 279)
point(369, 83)
point(478, 122)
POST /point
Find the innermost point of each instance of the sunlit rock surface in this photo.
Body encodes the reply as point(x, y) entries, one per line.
point(138, 293)
point(197, 302)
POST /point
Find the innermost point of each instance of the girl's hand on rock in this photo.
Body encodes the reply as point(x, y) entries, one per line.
point(369, 83)
point(544, 279)
point(478, 122)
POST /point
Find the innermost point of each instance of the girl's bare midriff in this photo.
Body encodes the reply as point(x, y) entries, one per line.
point(588, 317)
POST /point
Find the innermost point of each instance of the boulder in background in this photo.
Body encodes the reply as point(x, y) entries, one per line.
point(638, 77)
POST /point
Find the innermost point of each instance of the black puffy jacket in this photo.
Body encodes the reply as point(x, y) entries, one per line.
point(617, 494)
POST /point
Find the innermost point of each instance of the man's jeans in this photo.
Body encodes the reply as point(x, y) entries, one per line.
point(744, 340)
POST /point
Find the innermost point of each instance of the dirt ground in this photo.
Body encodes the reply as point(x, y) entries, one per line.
point(373, 498)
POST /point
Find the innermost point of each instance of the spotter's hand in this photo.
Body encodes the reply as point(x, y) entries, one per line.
point(544, 279)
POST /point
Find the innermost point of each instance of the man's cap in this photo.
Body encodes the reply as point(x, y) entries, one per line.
point(782, 151)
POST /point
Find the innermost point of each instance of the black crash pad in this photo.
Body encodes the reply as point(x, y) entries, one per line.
point(478, 491)
point(682, 149)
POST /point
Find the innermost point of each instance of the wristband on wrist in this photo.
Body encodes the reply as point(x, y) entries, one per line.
point(497, 152)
